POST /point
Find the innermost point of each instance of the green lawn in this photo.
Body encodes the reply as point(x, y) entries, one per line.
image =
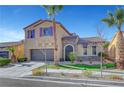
point(80, 66)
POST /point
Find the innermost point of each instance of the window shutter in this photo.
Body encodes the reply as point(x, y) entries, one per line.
point(41, 29)
point(28, 34)
point(33, 34)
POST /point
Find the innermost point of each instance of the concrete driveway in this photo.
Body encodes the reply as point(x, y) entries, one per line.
point(19, 69)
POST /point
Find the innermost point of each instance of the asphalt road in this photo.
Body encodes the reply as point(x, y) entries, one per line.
point(7, 82)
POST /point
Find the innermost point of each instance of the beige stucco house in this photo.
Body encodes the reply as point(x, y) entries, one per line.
point(39, 39)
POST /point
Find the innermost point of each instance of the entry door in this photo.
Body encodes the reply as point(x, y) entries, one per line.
point(68, 49)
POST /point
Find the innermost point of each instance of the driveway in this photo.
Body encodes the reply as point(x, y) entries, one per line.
point(19, 69)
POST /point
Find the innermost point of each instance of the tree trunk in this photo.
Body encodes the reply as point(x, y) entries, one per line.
point(55, 42)
point(13, 58)
point(120, 51)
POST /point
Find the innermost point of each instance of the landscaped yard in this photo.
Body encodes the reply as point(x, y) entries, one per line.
point(80, 71)
point(81, 66)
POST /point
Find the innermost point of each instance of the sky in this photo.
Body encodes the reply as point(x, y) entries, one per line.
point(82, 20)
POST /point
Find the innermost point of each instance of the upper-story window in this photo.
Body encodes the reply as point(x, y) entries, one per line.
point(84, 49)
point(31, 34)
point(46, 31)
point(93, 50)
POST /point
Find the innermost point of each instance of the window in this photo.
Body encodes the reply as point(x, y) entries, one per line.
point(31, 34)
point(47, 31)
point(84, 49)
point(93, 50)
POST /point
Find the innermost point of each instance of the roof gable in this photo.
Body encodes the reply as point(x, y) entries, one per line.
point(42, 21)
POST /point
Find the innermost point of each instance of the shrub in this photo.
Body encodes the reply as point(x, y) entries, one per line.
point(87, 73)
point(103, 54)
point(72, 57)
point(4, 61)
point(115, 77)
point(37, 72)
point(22, 59)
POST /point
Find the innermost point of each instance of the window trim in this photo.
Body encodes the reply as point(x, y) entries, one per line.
point(47, 28)
point(30, 34)
point(96, 51)
point(86, 50)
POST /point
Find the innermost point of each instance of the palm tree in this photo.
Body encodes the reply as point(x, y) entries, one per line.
point(117, 19)
point(52, 10)
point(13, 56)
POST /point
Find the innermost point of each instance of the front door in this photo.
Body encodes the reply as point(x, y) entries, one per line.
point(68, 49)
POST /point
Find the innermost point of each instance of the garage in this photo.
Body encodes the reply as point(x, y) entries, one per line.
point(38, 54)
point(4, 54)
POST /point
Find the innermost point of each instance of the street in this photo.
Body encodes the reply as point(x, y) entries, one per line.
point(5, 82)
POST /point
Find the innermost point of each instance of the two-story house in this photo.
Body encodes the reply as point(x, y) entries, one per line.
point(39, 41)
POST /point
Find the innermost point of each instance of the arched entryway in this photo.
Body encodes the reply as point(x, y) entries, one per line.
point(67, 50)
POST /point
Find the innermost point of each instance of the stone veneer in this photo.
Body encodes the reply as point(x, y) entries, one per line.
point(119, 58)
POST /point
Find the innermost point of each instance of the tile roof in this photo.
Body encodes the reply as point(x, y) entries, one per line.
point(90, 40)
point(70, 37)
point(7, 44)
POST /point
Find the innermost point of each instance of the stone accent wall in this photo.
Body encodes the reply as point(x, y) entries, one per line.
point(120, 50)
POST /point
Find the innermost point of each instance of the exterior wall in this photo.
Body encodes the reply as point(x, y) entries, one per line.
point(60, 33)
point(44, 42)
point(89, 52)
point(112, 48)
point(19, 50)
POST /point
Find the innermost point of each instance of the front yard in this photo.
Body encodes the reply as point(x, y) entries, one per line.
point(78, 71)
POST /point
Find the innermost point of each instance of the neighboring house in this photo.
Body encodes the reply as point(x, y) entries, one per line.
point(39, 39)
point(18, 46)
point(116, 48)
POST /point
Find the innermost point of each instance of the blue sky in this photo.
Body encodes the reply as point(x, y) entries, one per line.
point(82, 20)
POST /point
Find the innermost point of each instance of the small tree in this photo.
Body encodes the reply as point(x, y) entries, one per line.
point(13, 56)
point(72, 57)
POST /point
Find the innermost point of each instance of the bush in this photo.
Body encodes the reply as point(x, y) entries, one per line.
point(103, 54)
point(37, 72)
point(4, 61)
point(115, 77)
point(22, 59)
point(87, 73)
point(72, 57)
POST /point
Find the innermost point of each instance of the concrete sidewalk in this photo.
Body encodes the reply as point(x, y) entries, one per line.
point(19, 69)
point(95, 73)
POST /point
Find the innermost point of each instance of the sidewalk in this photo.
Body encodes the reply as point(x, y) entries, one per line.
point(105, 72)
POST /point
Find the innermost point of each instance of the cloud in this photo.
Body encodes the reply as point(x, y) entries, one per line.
point(10, 35)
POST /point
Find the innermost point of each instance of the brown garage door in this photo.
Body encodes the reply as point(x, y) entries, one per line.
point(38, 54)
